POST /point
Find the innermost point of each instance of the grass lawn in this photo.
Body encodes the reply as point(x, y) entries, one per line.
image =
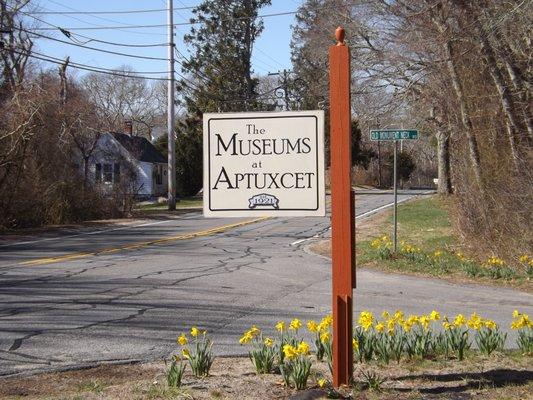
point(183, 203)
point(428, 246)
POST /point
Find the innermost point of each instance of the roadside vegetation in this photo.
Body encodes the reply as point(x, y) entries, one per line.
point(428, 244)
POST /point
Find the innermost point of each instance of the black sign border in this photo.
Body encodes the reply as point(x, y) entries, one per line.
point(270, 117)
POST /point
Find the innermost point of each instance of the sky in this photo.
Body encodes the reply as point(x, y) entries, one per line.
point(271, 50)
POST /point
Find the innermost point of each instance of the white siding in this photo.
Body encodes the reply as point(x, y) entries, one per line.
point(144, 179)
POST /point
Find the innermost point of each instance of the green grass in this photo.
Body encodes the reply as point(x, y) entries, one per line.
point(428, 246)
point(186, 202)
point(94, 385)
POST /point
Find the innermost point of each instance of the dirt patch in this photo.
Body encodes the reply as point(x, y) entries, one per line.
point(496, 377)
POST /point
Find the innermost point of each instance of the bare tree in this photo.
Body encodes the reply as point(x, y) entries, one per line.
point(121, 98)
point(15, 45)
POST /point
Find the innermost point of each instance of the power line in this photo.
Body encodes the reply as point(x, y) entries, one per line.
point(89, 39)
point(109, 12)
point(177, 24)
point(92, 48)
point(97, 17)
point(268, 55)
point(89, 66)
point(78, 66)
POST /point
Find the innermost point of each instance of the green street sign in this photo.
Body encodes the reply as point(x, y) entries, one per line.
point(393, 134)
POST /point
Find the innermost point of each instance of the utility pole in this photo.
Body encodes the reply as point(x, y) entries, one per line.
point(171, 173)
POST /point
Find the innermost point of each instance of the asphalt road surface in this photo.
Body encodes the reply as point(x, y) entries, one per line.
point(76, 298)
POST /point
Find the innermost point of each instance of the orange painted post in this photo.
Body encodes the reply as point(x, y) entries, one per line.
point(342, 210)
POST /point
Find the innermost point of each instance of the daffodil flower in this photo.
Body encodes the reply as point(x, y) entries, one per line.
point(182, 339)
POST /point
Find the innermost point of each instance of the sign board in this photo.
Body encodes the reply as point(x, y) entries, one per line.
point(393, 134)
point(264, 164)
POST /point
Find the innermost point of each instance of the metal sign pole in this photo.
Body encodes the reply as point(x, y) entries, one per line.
point(395, 217)
point(342, 211)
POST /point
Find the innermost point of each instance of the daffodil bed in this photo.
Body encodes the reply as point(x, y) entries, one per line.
point(428, 246)
point(396, 356)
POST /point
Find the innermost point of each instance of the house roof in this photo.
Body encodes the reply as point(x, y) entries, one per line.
point(140, 148)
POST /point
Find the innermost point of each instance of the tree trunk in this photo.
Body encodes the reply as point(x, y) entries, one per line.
point(505, 97)
point(85, 171)
point(443, 161)
point(521, 88)
point(465, 117)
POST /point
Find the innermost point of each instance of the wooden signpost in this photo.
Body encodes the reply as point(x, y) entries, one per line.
point(272, 164)
point(342, 211)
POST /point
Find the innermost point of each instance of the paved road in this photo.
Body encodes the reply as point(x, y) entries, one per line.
point(62, 305)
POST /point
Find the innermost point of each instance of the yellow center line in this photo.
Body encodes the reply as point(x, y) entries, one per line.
point(138, 245)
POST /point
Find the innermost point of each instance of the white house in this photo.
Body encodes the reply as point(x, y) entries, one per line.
point(130, 163)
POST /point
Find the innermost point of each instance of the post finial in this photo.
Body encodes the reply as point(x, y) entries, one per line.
point(339, 34)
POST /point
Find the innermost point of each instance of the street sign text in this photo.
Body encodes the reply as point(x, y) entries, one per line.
point(393, 134)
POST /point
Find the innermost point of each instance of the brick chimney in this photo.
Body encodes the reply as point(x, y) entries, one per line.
point(128, 127)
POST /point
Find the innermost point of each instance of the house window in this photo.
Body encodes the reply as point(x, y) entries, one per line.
point(98, 173)
point(116, 172)
point(159, 174)
point(108, 173)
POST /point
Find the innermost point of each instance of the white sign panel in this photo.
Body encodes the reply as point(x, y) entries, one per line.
point(264, 164)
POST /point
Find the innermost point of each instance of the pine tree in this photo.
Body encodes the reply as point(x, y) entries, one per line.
point(220, 65)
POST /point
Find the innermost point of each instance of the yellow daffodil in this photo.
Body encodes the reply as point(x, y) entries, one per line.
point(254, 331)
point(355, 344)
point(280, 326)
point(459, 320)
point(366, 320)
point(434, 315)
point(524, 258)
point(195, 331)
point(424, 321)
point(246, 338)
point(268, 342)
point(380, 327)
point(515, 314)
point(303, 348)
point(295, 324)
point(475, 322)
point(437, 254)
point(490, 324)
point(325, 323)
point(391, 323)
point(185, 352)
point(446, 324)
point(321, 383)
point(495, 262)
point(385, 314)
point(312, 326)
point(521, 321)
point(325, 336)
point(290, 352)
point(182, 339)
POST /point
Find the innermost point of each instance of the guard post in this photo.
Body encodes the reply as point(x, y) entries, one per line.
point(342, 210)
